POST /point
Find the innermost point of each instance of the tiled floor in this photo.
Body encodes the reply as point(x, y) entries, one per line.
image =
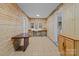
point(39, 46)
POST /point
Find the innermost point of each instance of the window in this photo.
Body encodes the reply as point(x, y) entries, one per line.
point(32, 25)
point(40, 25)
point(36, 26)
point(59, 23)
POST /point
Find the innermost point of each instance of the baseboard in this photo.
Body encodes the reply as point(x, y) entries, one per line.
point(53, 42)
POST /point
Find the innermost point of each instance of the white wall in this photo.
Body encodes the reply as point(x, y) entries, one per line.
point(52, 26)
point(69, 21)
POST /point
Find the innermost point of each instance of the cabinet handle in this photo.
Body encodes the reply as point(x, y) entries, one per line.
point(63, 46)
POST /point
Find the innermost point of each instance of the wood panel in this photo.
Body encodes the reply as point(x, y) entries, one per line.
point(69, 44)
point(11, 20)
point(76, 17)
point(66, 46)
point(61, 45)
point(68, 19)
point(76, 48)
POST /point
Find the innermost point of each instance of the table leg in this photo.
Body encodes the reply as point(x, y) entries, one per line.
point(26, 43)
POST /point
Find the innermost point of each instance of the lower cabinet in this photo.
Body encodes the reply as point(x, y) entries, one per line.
point(38, 33)
point(68, 46)
point(61, 45)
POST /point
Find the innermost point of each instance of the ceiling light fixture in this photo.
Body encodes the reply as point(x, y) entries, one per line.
point(37, 15)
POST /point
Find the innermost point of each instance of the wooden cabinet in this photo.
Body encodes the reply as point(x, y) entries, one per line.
point(68, 46)
point(38, 33)
point(69, 42)
point(61, 45)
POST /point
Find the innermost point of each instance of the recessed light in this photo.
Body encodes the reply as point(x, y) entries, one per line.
point(37, 15)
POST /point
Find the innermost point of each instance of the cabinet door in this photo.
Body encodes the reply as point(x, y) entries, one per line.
point(69, 47)
point(76, 48)
point(61, 45)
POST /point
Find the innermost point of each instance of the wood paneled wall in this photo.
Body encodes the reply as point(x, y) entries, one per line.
point(11, 23)
point(67, 20)
point(36, 21)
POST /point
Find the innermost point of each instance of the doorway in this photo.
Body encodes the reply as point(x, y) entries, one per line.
point(57, 27)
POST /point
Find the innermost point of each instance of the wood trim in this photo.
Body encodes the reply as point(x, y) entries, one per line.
point(74, 49)
point(14, 4)
point(23, 12)
point(52, 40)
point(37, 18)
point(67, 37)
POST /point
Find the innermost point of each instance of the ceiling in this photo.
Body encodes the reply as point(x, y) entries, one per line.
point(38, 10)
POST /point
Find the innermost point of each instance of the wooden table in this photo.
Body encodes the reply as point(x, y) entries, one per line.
point(17, 41)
